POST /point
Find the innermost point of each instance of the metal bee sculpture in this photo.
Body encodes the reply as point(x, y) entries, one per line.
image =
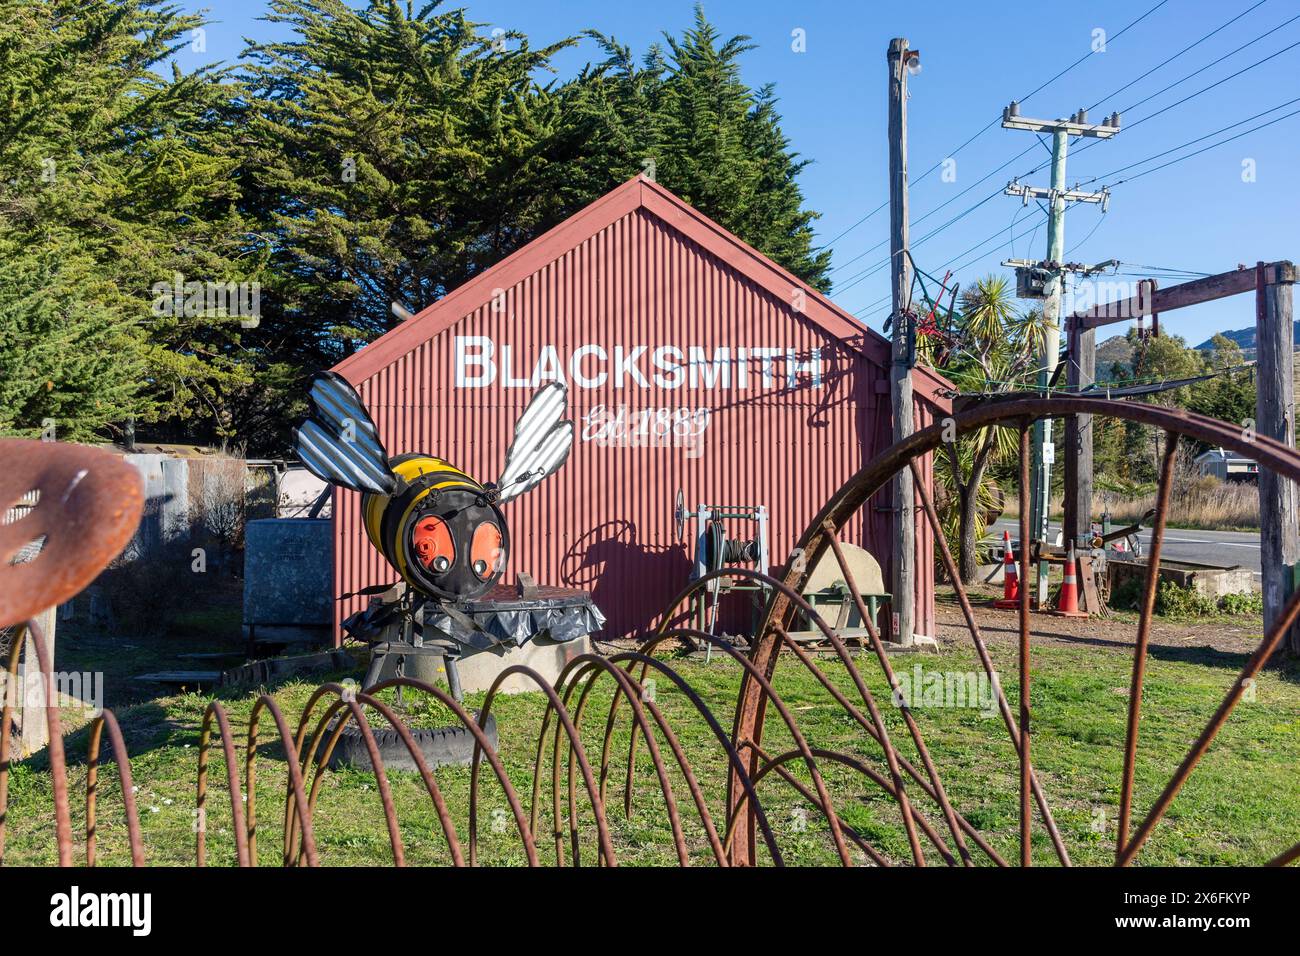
point(439, 528)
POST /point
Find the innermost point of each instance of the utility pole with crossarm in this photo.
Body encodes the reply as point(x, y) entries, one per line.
point(1051, 271)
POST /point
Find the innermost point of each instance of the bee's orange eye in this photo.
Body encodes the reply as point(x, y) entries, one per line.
point(433, 544)
point(485, 551)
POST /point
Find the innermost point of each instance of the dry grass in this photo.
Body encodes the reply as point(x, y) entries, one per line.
point(1201, 503)
point(1196, 501)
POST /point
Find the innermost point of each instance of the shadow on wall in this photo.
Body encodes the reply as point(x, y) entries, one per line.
point(607, 561)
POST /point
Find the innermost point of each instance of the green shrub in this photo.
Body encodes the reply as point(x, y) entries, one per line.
point(1247, 602)
point(1174, 601)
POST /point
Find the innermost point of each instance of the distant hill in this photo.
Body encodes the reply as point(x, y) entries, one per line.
point(1245, 339)
point(1112, 350)
point(1117, 347)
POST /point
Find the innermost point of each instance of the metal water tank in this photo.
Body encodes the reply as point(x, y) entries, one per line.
point(287, 568)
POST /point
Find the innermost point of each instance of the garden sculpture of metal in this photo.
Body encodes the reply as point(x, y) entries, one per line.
point(578, 764)
point(435, 525)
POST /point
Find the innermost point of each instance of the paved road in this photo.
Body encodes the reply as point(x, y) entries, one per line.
point(1206, 547)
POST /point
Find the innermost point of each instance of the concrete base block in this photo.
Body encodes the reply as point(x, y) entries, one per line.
point(1211, 581)
point(477, 671)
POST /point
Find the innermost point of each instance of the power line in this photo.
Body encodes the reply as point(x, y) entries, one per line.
point(874, 269)
point(947, 202)
point(1130, 179)
point(947, 264)
point(1262, 36)
point(984, 129)
point(1203, 149)
point(1191, 142)
point(1084, 240)
point(1188, 272)
point(1189, 47)
point(1217, 83)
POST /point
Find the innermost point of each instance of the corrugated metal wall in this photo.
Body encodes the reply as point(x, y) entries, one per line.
point(604, 522)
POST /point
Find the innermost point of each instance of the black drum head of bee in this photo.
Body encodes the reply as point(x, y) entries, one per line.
point(455, 544)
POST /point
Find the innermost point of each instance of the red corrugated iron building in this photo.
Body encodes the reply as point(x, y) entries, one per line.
point(654, 316)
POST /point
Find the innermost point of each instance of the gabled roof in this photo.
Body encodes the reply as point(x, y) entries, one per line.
point(636, 193)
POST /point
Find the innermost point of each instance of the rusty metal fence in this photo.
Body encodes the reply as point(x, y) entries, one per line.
point(579, 767)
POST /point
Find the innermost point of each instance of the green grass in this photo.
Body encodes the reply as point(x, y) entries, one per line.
point(1241, 805)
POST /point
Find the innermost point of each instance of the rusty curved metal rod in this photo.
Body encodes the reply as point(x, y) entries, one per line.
point(57, 757)
point(426, 775)
point(586, 679)
point(320, 750)
point(981, 649)
point(381, 780)
point(791, 724)
point(1143, 638)
point(690, 637)
point(880, 780)
point(892, 757)
point(777, 765)
point(565, 722)
point(1285, 857)
point(214, 711)
point(733, 756)
point(120, 757)
point(6, 727)
point(345, 697)
point(267, 702)
point(692, 785)
point(1026, 765)
point(856, 492)
point(1253, 666)
point(865, 724)
point(948, 814)
point(482, 747)
point(625, 685)
point(587, 671)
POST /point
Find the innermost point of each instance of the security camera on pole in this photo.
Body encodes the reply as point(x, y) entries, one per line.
point(1051, 272)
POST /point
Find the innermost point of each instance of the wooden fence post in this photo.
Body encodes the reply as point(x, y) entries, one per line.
point(1275, 418)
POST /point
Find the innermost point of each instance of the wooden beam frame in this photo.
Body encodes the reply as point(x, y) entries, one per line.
point(1279, 499)
point(1225, 284)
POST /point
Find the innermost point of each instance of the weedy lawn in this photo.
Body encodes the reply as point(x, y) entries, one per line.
point(1241, 805)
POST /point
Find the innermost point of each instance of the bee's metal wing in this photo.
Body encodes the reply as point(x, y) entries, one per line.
point(543, 438)
point(338, 441)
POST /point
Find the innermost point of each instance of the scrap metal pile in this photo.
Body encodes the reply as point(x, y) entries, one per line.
point(89, 504)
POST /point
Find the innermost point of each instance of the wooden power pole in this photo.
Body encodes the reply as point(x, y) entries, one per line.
point(1081, 345)
point(903, 583)
point(1275, 418)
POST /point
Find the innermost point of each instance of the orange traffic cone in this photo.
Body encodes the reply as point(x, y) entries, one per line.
point(1010, 580)
point(1067, 605)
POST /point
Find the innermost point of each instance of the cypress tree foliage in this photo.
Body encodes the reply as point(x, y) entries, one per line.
point(67, 363)
point(712, 139)
point(401, 152)
point(381, 154)
point(398, 154)
point(117, 179)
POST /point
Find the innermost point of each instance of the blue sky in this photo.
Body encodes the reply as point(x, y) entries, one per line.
point(1205, 214)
